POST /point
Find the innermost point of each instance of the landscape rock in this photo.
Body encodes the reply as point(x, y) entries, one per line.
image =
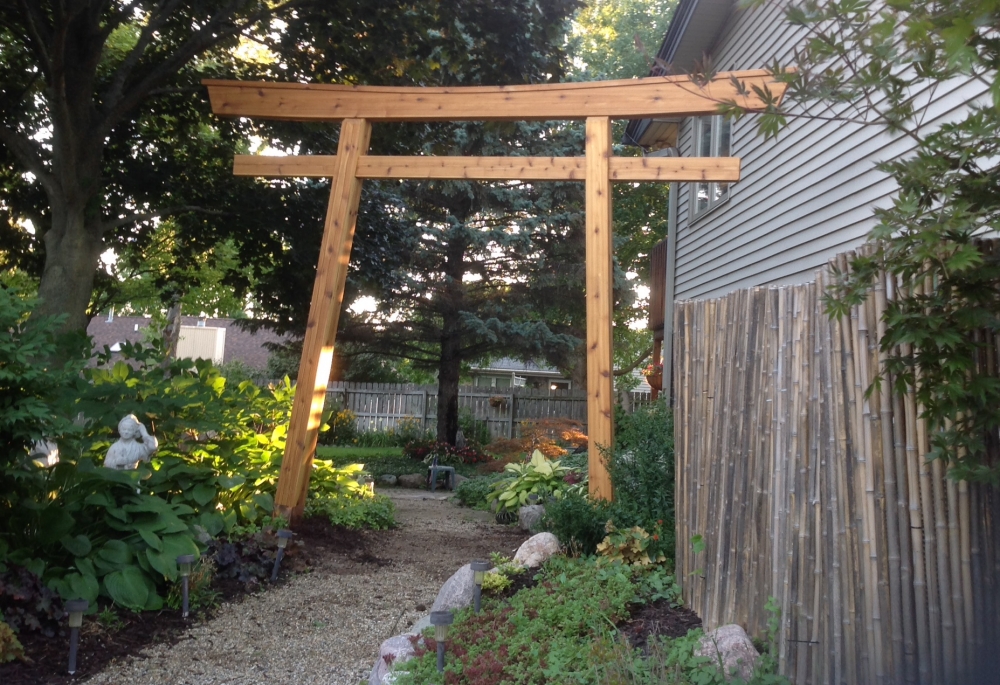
point(459, 479)
point(457, 592)
point(420, 625)
point(537, 549)
point(393, 651)
point(387, 479)
point(412, 480)
point(730, 645)
point(529, 517)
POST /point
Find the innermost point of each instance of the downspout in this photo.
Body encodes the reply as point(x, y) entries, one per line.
point(668, 296)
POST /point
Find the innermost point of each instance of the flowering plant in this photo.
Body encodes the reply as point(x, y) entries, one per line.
point(653, 370)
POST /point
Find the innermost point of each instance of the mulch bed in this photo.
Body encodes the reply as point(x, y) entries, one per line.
point(657, 618)
point(99, 644)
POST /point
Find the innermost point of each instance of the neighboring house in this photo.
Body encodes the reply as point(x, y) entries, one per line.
point(803, 198)
point(201, 338)
point(505, 372)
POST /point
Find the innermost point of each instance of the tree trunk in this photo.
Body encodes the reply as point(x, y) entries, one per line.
point(72, 252)
point(450, 364)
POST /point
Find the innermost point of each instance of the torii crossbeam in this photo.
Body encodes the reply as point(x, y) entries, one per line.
point(357, 107)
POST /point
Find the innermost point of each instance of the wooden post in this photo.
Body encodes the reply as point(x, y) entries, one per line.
point(324, 315)
point(600, 302)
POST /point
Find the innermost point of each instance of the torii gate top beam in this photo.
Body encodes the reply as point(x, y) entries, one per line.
point(676, 96)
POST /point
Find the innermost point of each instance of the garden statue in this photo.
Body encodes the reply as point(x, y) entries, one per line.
point(133, 445)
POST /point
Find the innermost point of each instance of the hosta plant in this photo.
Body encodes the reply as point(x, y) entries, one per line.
point(541, 477)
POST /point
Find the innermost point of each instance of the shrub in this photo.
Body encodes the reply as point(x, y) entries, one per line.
point(476, 431)
point(374, 513)
point(447, 455)
point(642, 470)
point(474, 492)
point(632, 546)
point(578, 522)
point(200, 592)
point(27, 605)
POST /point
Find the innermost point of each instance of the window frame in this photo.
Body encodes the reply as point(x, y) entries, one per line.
point(715, 193)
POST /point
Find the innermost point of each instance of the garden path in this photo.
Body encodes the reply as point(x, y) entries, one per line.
point(324, 627)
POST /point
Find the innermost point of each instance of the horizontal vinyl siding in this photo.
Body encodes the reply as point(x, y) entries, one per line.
point(804, 197)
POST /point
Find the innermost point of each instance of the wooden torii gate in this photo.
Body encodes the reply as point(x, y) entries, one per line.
point(357, 107)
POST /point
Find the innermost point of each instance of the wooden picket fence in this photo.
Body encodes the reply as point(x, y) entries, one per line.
point(384, 406)
point(809, 490)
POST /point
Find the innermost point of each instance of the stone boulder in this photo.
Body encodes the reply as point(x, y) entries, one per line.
point(423, 623)
point(457, 592)
point(459, 479)
point(529, 517)
point(412, 480)
point(387, 479)
point(730, 645)
point(534, 551)
point(393, 652)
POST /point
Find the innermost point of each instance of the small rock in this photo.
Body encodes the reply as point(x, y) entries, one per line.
point(536, 549)
point(387, 479)
point(459, 479)
point(530, 516)
point(457, 592)
point(730, 645)
point(412, 480)
point(393, 651)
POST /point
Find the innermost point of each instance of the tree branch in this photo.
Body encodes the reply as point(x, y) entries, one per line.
point(168, 211)
point(629, 369)
point(27, 154)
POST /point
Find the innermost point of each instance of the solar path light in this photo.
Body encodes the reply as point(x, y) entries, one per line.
point(441, 620)
point(185, 562)
point(479, 569)
point(75, 608)
point(283, 537)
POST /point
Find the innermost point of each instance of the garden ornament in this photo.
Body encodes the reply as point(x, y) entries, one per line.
point(133, 445)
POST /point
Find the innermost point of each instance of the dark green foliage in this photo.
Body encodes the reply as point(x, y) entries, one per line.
point(447, 455)
point(642, 469)
point(578, 522)
point(473, 492)
point(476, 431)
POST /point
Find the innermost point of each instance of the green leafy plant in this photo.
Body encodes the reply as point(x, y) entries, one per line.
point(494, 583)
point(540, 476)
point(10, 646)
point(374, 513)
point(632, 546)
point(578, 522)
point(342, 427)
point(110, 620)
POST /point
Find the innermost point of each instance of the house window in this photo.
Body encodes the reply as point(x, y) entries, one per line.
point(712, 139)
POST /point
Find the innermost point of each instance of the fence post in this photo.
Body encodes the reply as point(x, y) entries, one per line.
point(510, 419)
point(423, 415)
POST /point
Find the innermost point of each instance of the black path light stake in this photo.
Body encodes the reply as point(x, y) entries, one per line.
point(283, 537)
point(479, 569)
point(75, 608)
point(185, 562)
point(441, 620)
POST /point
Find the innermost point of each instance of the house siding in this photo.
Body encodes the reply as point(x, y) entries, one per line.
point(804, 197)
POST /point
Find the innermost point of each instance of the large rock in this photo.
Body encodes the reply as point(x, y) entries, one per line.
point(730, 645)
point(529, 517)
point(459, 479)
point(536, 549)
point(423, 623)
point(387, 479)
point(412, 480)
point(457, 592)
point(393, 652)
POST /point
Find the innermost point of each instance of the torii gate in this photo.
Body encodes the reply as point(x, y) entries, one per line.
point(358, 106)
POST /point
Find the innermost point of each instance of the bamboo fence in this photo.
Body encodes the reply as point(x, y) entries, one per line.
point(809, 485)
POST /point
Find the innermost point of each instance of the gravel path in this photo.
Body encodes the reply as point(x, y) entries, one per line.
point(325, 627)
